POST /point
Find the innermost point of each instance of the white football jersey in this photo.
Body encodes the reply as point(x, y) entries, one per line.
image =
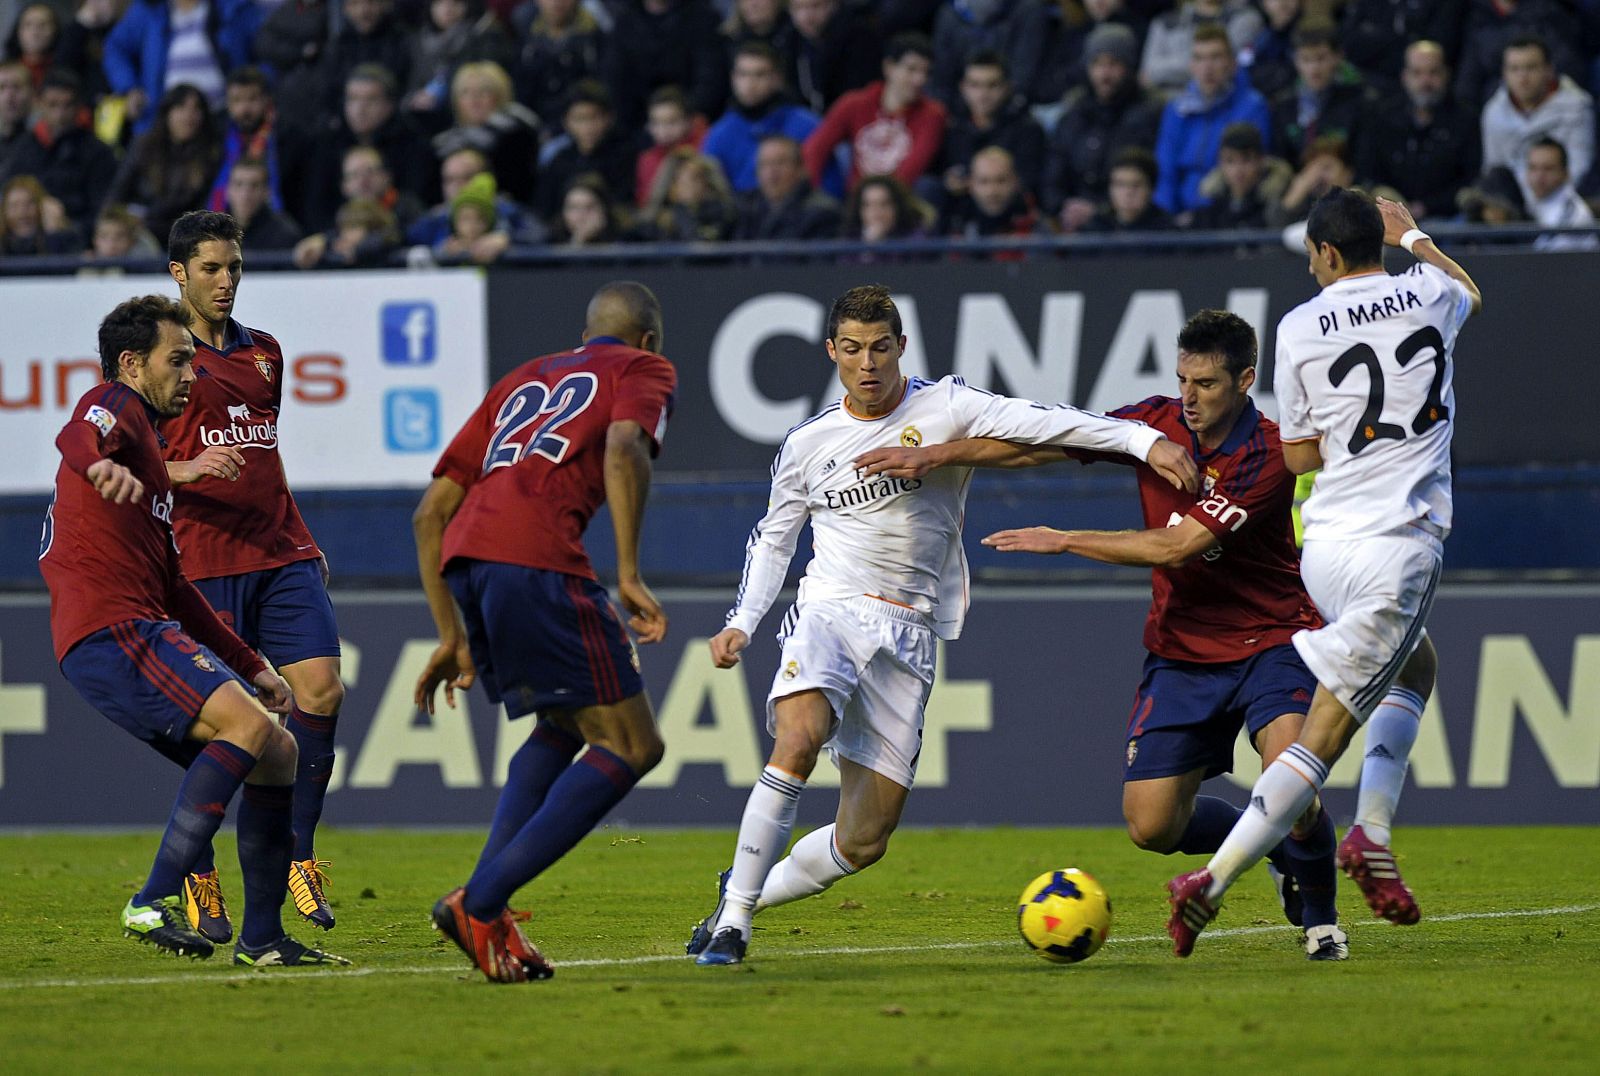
point(1366, 367)
point(893, 538)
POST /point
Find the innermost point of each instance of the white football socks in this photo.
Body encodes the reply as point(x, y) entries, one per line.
point(1391, 730)
point(1282, 793)
point(813, 864)
point(763, 835)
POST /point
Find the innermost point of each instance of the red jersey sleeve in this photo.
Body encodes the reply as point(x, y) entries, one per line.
point(644, 393)
point(462, 461)
point(1256, 486)
point(92, 434)
point(926, 123)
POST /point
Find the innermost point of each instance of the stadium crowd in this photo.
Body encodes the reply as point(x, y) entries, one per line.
point(346, 131)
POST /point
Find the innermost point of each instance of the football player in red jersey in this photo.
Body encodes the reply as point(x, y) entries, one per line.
point(243, 540)
point(500, 551)
point(141, 644)
point(1226, 598)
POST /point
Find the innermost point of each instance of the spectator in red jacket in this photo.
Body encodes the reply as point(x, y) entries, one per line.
point(892, 127)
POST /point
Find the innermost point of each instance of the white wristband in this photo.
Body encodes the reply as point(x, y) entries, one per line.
point(1411, 238)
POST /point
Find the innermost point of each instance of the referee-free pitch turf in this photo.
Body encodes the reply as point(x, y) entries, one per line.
point(913, 965)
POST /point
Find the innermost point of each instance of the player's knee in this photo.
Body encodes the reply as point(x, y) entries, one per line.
point(1420, 669)
point(322, 697)
point(235, 717)
point(1151, 834)
point(863, 849)
point(276, 761)
point(646, 751)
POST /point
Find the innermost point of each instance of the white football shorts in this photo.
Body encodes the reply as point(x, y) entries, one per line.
point(874, 661)
point(1375, 594)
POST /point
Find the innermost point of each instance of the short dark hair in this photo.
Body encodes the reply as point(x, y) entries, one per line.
point(1528, 41)
point(670, 95)
point(374, 73)
point(1137, 157)
point(911, 42)
point(989, 58)
point(135, 325)
point(1311, 34)
point(869, 304)
point(1348, 220)
point(1550, 143)
point(249, 75)
point(1210, 31)
point(588, 91)
point(759, 50)
point(200, 226)
point(1224, 334)
point(1243, 137)
point(58, 78)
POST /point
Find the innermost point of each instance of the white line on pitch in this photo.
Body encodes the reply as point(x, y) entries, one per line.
point(265, 976)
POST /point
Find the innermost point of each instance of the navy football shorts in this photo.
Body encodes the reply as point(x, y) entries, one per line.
point(543, 640)
point(149, 677)
point(283, 612)
point(1186, 716)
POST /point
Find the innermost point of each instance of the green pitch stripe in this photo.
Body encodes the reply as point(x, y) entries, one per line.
point(456, 968)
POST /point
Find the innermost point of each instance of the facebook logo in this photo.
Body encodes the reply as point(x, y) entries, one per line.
point(411, 420)
point(409, 333)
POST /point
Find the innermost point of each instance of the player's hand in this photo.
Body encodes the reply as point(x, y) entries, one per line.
point(1174, 463)
point(645, 616)
point(896, 462)
point(1397, 221)
point(114, 482)
point(273, 691)
point(450, 665)
point(1028, 540)
point(322, 562)
point(726, 646)
point(218, 461)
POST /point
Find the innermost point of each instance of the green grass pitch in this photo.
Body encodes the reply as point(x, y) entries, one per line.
point(914, 965)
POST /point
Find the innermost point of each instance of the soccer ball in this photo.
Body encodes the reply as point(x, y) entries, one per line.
point(1064, 916)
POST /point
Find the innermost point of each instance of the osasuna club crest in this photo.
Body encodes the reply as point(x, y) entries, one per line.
point(264, 366)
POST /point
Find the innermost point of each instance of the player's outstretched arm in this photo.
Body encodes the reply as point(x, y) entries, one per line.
point(218, 461)
point(1159, 547)
point(450, 663)
point(1397, 222)
point(967, 452)
point(627, 475)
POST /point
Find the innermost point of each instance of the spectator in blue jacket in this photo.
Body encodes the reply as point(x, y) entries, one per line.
point(160, 43)
point(1192, 125)
point(759, 108)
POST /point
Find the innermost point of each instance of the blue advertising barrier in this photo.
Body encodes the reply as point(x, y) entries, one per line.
point(1025, 726)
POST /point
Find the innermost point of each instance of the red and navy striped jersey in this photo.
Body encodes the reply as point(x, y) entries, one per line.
point(1245, 594)
point(532, 456)
point(106, 563)
point(252, 523)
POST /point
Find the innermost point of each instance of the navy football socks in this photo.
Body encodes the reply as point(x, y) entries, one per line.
point(543, 758)
point(1310, 860)
point(266, 839)
point(208, 784)
point(314, 735)
point(1213, 818)
point(576, 802)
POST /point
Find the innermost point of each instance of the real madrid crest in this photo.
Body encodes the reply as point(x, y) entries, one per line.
point(791, 670)
point(911, 437)
point(264, 366)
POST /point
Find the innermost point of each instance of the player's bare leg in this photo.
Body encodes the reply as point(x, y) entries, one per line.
point(802, 723)
point(623, 745)
point(318, 695)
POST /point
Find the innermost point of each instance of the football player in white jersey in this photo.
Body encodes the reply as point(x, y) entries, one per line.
point(1363, 381)
point(888, 578)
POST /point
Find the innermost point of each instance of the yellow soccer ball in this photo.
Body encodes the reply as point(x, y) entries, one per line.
point(1064, 916)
